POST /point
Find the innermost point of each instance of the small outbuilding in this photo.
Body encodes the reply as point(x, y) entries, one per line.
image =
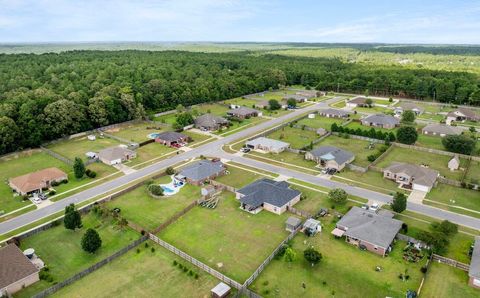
point(454, 163)
point(292, 223)
point(91, 137)
point(221, 290)
point(312, 227)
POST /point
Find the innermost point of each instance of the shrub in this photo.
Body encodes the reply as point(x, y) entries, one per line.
point(170, 171)
point(185, 269)
point(155, 189)
point(91, 174)
point(338, 195)
point(196, 275)
point(407, 135)
point(424, 269)
point(152, 249)
point(91, 241)
point(175, 263)
point(52, 192)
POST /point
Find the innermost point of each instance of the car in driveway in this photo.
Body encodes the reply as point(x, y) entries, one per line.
point(374, 207)
point(245, 150)
point(37, 200)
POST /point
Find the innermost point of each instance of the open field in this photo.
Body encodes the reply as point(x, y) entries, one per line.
point(374, 110)
point(358, 147)
point(238, 178)
point(136, 132)
point(315, 200)
point(140, 208)
point(228, 239)
point(297, 137)
point(344, 271)
point(236, 125)
point(429, 142)
point(369, 180)
point(68, 258)
point(320, 122)
point(246, 102)
point(167, 119)
point(434, 161)
point(148, 152)
point(196, 137)
point(456, 196)
point(212, 108)
point(444, 281)
point(142, 274)
point(355, 125)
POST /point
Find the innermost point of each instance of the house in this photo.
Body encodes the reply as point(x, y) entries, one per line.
point(368, 230)
point(273, 196)
point(298, 98)
point(91, 155)
point(267, 145)
point(91, 137)
point(474, 271)
point(334, 113)
point(36, 181)
point(358, 101)
point(411, 176)
point(244, 113)
point(408, 106)
point(441, 130)
point(221, 290)
point(462, 114)
point(311, 227)
point(202, 171)
point(171, 138)
point(265, 104)
point(116, 155)
point(330, 157)
point(454, 163)
point(311, 93)
point(16, 271)
point(210, 122)
point(381, 120)
point(292, 223)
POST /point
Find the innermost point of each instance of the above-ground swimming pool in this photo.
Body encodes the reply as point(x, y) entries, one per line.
point(172, 187)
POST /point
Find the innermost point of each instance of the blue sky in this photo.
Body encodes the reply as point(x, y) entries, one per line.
point(398, 21)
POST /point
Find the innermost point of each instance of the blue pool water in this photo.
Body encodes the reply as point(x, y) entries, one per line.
point(167, 189)
point(153, 135)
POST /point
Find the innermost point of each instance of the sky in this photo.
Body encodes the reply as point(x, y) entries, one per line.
point(400, 21)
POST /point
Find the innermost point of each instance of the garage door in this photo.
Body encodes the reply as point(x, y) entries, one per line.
point(420, 187)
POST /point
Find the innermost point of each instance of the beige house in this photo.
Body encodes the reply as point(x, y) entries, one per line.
point(330, 157)
point(474, 271)
point(358, 101)
point(381, 120)
point(36, 181)
point(411, 176)
point(16, 270)
point(267, 145)
point(454, 163)
point(462, 114)
point(116, 155)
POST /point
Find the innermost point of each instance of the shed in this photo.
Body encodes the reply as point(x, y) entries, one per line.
point(221, 290)
point(311, 227)
point(92, 137)
point(454, 163)
point(292, 223)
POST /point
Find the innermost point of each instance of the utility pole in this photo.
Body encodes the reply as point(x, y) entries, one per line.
point(338, 87)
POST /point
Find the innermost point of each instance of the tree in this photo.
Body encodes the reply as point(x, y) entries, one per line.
point(170, 171)
point(399, 203)
point(369, 102)
point(338, 195)
point(9, 134)
point(72, 219)
point(407, 135)
point(289, 255)
point(459, 144)
point(472, 129)
point(273, 104)
point(312, 256)
point(183, 119)
point(155, 189)
point(91, 241)
point(408, 116)
point(180, 108)
point(64, 117)
point(78, 168)
point(291, 102)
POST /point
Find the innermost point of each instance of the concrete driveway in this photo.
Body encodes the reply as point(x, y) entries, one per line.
point(417, 196)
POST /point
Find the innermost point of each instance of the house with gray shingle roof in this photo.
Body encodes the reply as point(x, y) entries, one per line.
point(368, 230)
point(116, 155)
point(273, 196)
point(358, 101)
point(210, 122)
point(462, 114)
point(441, 130)
point(16, 271)
point(201, 171)
point(330, 157)
point(411, 176)
point(297, 97)
point(408, 106)
point(171, 137)
point(334, 113)
point(381, 120)
point(244, 113)
point(474, 271)
point(267, 145)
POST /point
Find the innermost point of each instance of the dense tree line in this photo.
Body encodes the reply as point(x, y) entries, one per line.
point(47, 96)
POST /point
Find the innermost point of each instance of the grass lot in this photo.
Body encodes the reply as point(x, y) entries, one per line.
point(429, 142)
point(444, 281)
point(358, 147)
point(213, 108)
point(136, 132)
point(196, 137)
point(139, 207)
point(370, 180)
point(296, 160)
point(246, 102)
point(435, 161)
point(355, 125)
point(374, 110)
point(320, 122)
point(297, 138)
point(148, 152)
point(344, 271)
point(473, 174)
point(265, 173)
point(238, 178)
point(228, 239)
point(236, 125)
point(168, 118)
point(142, 274)
point(456, 196)
point(68, 258)
point(339, 104)
point(315, 200)
point(79, 146)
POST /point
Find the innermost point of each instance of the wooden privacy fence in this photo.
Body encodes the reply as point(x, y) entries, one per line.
point(90, 269)
point(298, 212)
point(175, 217)
point(197, 263)
point(451, 262)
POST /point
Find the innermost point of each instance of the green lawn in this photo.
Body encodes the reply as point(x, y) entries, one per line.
point(355, 125)
point(435, 161)
point(228, 239)
point(142, 274)
point(148, 152)
point(286, 157)
point(238, 178)
point(370, 180)
point(247, 102)
point(344, 271)
point(444, 281)
point(339, 104)
point(167, 119)
point(456, 196)
point(79, 146)
point(136, 132)
point(473, 174)
point(315, 200)
point(320, 122)
point(374, 110)
point(61, 251)
point(235, 125)
point(196, 137)
point(429, 142)
point(297, 137)
point(212, 108)
point(139, 207)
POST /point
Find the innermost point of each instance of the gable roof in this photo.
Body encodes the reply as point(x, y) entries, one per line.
point(297, 97)
point(335, 112)
point(370, 227)
point(293, 221)
point(243, 111)
point(474, 270)
point(331, 152)
point(114, 153)
point(408, 106)
point(35, 180)
point(202, 169)
point(210, 120)
point(382, 119)
point(420, 175)
point(467, 112)
point(358, 100)
point(271, 143)
point(276, 193)
point(442, 129)
point(15, 265)
point(171, 136)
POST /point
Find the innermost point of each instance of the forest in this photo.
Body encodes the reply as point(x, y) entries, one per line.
point(43, 97)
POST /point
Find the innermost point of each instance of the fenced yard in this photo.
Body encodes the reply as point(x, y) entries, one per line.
point(227, 239)
point(297, 137)
point(455, 196)
point(370, 180)
point(320, 122)
point(238, 177)
point(136, 132)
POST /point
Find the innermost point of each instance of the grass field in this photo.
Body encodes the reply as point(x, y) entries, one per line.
point(238, 178)
point(374, 110)
point(444, 281)
point(139, 207)
point(429, 142)
point(456, 196)
point(148, 152)
point(237, 125)
point(79, 146)
point(247, 102)
point(473, 174)
point(167, 119)
point(196, 137)
point(61, 251)
point(212, 108)
point(142, 274)
point(315, 200)
point(320, 122)
point(289, 158)
point(297, 138)
point(228, 239)
point(344, 271)
point(434, 161)
point(136, 132)
point(355, 125)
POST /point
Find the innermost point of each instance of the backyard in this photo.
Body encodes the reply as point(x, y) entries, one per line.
point(238, 177)
point(429, 142)
point(287, 159)
point(356, 125)
point(143, 273)
point(228, 239)
point(211, 108)
point(297, 137)
point(320, 122)
point(473, 173)
point(315, 200)
point(444, 281)
point(68, 258)
point(137, 132)
point(370, 180)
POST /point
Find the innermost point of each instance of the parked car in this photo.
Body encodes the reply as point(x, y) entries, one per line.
point(42, 196)
point(331, 171)
point(374, 207)
point(245, 150)
point(37, 200)
point(365, 206)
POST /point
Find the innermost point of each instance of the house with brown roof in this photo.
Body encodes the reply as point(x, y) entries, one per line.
point(16, 270)
point(462, 114)
point(358, 101)
point(244, 113)
point(171, 138)
point(333, 113)
point(210, 122)
point(411, 176)
point(36, 181)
